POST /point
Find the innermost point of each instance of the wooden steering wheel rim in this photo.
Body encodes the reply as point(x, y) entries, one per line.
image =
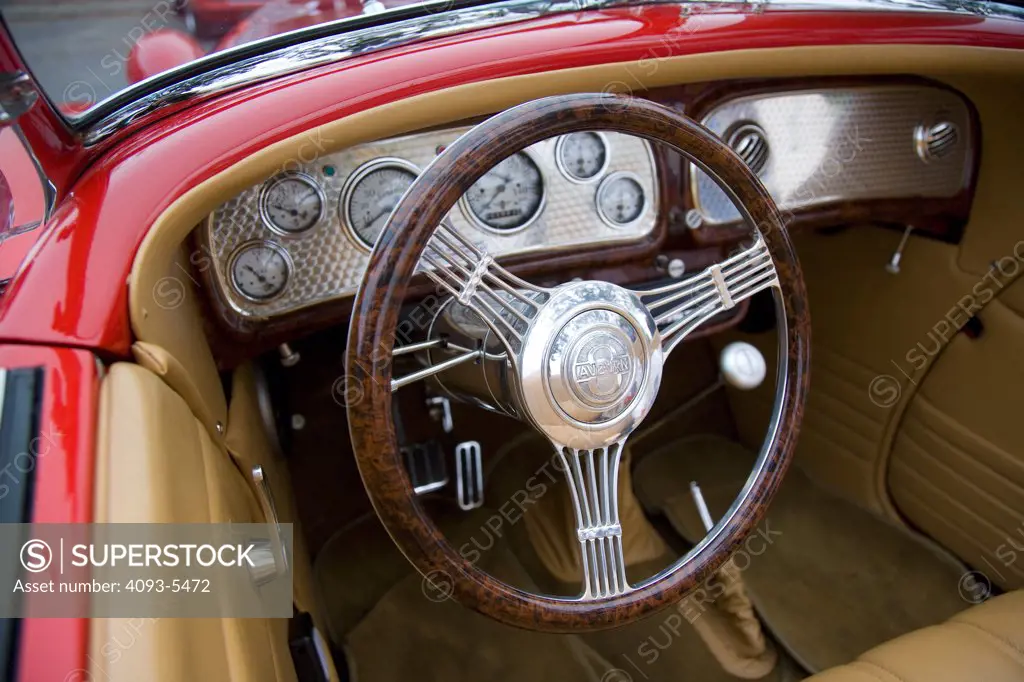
point(380, 297)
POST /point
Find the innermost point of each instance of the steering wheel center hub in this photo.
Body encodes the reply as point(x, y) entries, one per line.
point(590, 365)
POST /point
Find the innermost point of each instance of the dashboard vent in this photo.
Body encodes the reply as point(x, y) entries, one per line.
point(751, 144)
point(935, 141)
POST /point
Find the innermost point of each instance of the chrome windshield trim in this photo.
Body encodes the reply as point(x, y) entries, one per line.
point(335, 41)
point(350, 37)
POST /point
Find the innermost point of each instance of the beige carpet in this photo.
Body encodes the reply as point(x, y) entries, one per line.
point(394, 630)
point(829, 579)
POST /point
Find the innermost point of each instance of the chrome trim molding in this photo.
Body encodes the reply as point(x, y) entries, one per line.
point(49, 189)
point(295, 51)
point(3, 391)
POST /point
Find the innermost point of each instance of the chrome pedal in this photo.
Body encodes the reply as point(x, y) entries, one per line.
point(469, 475)
point(424, 462)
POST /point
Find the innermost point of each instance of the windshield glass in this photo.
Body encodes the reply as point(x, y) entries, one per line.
point(83, 51)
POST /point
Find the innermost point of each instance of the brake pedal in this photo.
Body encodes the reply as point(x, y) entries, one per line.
point(469, 475)
point(424, 462)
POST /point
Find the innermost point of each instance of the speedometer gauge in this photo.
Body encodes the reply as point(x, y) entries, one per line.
point(291, 203)
point(582, 156)
point(620, 199)
point(372, 193)
point(260, 270)
point(508, 197)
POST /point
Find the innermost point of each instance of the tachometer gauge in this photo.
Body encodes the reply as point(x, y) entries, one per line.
point(260, 270)
point(291, 203)
point(509, 197)
point(371, 194)
point(620, 199)
point(581, 156)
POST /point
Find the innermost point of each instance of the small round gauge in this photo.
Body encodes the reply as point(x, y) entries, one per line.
point(372, 193)
point(620, 199)
point(259, 270)
point(291, 203)
point(582, 156)
point(509, 196)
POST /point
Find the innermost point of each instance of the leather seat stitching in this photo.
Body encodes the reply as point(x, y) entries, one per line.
point(890, 675)
point(1017, 652)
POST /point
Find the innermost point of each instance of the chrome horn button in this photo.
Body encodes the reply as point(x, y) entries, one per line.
point(590, 365)
point(596, 366)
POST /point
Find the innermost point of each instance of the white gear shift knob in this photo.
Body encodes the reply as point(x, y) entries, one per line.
point(742, 366)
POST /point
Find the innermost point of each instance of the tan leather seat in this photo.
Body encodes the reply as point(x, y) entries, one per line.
point(982, 644)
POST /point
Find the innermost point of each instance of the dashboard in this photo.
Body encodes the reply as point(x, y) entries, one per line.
point(288, 254)
point(304, 236)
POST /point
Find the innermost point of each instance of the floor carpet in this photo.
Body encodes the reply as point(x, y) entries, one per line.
point(394, 626)
point(829, 579)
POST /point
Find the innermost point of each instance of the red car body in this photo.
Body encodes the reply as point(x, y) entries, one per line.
point(67, 303)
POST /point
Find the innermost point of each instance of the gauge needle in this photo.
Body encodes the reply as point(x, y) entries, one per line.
point(385, 210)
point(261, 278)
point(497, 193)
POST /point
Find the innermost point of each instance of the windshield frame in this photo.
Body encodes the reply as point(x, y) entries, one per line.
point(286, 53)
point(258, 48)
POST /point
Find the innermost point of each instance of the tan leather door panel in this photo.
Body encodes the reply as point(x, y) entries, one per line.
point(157, 463)
point(957, 465)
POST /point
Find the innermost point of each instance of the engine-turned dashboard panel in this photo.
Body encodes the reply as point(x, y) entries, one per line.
point(818, 147)
point(304, 236)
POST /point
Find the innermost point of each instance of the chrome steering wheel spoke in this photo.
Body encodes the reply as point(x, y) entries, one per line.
point(507, 304)
point(593, 478)
point(681, 307)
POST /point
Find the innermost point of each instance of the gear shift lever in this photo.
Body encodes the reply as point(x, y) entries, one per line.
point(731, 624)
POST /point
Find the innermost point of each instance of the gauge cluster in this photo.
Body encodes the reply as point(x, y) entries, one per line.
point(304, 236)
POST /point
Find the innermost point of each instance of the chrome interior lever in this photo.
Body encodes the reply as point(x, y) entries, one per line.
point(269, 557)
point(702, 506)
point(893, 266)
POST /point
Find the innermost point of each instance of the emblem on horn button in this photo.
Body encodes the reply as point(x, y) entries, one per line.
point(596, 366)
point(601, 366)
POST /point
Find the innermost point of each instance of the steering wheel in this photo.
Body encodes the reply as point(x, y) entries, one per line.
point(546, 334)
